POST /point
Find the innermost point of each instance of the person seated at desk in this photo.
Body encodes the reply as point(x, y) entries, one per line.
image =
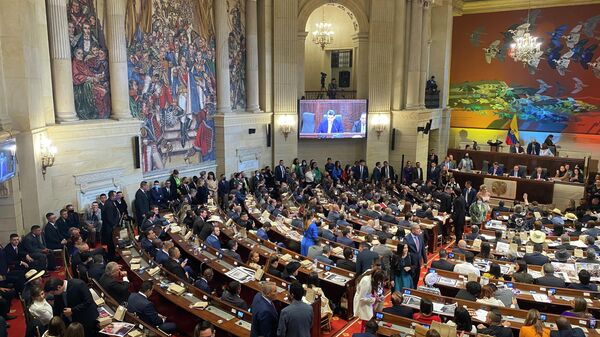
point(425, 314)
point(146, 242)
point(485, 251)
point(516, 172)
point(213, 239)
point(174, 266)
point(324, 255)
point(500, 208)
point(245, 222)
point(549, 279)
point(521, 275)
point(263, 232)
point(591, 231)
point(290, 273)
point(462, 321)
point(462, 247)
point(231, 295)
point(565, 329)
point(565, 243)
point(365, 258)
point(580, 309)
point(495, 327)
point(397, 308)
point(115, 282)
point(442, 263)
point(346, 238)
point(231, 250)
point(536, 258)
point(203, 283)
point(139, 304)
point(534, 326)
point(516, 148)
point(539, 174)
point(496, 170)
point(371, 328)
point(494, 273)
point(487, 296)
point(467, 267)
point(562, 174)
point(347, 262)
point(313, 283)
point(330, 124)
point(471, 292)
point(590, 256)
point(546, 151)
point(577, 176)
point(584, 282)
point(474, 234)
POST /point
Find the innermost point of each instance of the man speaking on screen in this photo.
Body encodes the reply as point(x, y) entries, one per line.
point(330, 124)
point(361, 124)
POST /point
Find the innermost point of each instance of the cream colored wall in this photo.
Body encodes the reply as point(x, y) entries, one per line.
point(345, 150)
point(317, 60)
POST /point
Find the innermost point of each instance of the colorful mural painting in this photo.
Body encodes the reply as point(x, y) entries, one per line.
point(171, 65)
point(237, 53)
point(554, 93)
point(89, 61)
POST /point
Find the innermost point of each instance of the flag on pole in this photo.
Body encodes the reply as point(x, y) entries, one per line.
point(512, 136)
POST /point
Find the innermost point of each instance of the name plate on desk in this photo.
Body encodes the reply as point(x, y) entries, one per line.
point(501, 188)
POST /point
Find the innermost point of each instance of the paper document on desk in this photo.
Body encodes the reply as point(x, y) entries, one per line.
point(541, 298)
point(481, 315)
point(502, 247)
point(241, 274)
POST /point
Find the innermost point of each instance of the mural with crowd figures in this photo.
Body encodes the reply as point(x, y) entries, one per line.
point(237, 53)
point(171, 65)
point(89, 61)
point(556, 92)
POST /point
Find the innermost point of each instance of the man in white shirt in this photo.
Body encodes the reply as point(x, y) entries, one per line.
point(467, 267)
point(330, 124)
point(361, 124)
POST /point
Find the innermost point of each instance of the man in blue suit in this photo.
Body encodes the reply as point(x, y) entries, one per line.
point(417, 250)
point(370, 329)
point(139, 304)
point(264, 314)
point(345, 239)
point(361, 171)
point(496, 170)
point(469, 193)
point(330, 124)
point(213, 239)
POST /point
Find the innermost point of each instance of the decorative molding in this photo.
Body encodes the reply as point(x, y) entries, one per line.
point(490, 6)
point(100, 128)
point(183, 170)
point(95, 176)
point(348, 12)
point(249, 153)
point(457, 7)
point(239, 119)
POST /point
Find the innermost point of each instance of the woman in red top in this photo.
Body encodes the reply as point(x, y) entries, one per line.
point(426, 315)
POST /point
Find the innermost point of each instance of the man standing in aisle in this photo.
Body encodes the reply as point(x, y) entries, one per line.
point(110, 219)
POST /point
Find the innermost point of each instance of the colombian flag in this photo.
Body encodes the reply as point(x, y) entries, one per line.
point(513, 131)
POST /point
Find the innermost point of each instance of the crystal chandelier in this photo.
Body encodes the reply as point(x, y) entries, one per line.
point(323, 35)
point(525, 48)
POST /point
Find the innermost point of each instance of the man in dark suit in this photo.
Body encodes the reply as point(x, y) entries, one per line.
point(203, 283)
point(52, 234)
point(417, 249)
point(533, 148)
point(199, 220)
point(469, 194)
point(417, 176)
point(388, 217)
point(96, 269)
point(516, 172)
point(496, 170)
point(347, 262)
point(365, 258)
point(516, 148)
point(280, 173)
point(345, 239)
point(113, 284)
point(536, 258)
point(174, 266)
point(471, 291)
point(157, 195)
point(397, 308)
point(539, 174)
point(73, 301)
point(296, 318)
point(169, 192)
point(549, 279)
point(18, 259)
point(330, 124)
point(140, 304)
point(459, 212)
point(111, 218)
point(494, 325)
point(361, 124)
point(584, 282)
point(433, 173)
point(376, 175)
point(62, 223)
point(407, 173)
point(387, 172)
point(33, 244)
point(141, 203)
point(565, 329)
point(264, 314)
point(361, 172)
point(213, 239)
point(442, 263)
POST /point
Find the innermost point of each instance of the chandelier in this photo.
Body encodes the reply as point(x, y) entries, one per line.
point(323, 35)
point(525, 48)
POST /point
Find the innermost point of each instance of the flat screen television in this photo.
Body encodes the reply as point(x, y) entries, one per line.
point(8, 162)
point(332, 118)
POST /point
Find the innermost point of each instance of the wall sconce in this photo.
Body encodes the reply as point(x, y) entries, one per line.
point(48, 154)
point(286, 124)
point(379, 124)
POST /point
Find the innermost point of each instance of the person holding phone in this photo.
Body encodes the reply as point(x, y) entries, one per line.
point(534, 325)
point(369, 296)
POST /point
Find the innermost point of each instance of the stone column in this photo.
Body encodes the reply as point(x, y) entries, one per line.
point(361, 41)
point(301, 50)
point(222, 57)
point(265, 47)
point(251, 57)
point(60, 53)
point(117, 59)
point(398, 86)
point(413, 82)
point(425, 48)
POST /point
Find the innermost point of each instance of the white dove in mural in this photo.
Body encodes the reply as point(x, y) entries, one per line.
point(492, 51)
point(573, 37)
point(563, 63)
point(579, 85)
point(543, 87)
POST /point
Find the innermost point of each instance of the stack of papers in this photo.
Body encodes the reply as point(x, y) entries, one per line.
point(541, 298)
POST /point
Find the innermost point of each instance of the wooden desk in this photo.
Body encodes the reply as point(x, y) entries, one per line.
point(511, 159)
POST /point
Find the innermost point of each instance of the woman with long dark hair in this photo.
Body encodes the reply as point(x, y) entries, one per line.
point(310, 234)
point(369, 295)
point(402, 268)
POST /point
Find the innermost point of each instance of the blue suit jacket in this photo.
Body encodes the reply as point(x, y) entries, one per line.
point(161, 257)
point(213, 241)
point(261, 233)
point(203, 285)
point(264, 318)
point(336, 126)
point(145, 310)
point(345, 241)
point(356, 172)
point(419, 254)
point(499, 170)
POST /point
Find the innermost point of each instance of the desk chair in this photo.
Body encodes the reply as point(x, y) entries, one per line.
point(308, 122)
point(523, 170)
point(485, 167)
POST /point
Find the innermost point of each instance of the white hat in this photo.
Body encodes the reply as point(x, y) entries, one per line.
point(537, 236)
point(215, 218)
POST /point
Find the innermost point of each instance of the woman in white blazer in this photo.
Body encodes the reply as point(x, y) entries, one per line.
point(369, 295)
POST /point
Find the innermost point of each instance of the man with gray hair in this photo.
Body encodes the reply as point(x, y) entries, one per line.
point(417, 248)
point(494, 325)
point(115, 282)
point(264, 314)
point(549, 279)
point(474, 233)
point(324, 256)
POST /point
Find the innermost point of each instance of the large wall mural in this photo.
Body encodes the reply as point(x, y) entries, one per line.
point(555, 93)
point(171, 64)
point(237, 53)
point(89, 61)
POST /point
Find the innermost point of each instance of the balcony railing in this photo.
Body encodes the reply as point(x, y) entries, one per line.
point(340, 94)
